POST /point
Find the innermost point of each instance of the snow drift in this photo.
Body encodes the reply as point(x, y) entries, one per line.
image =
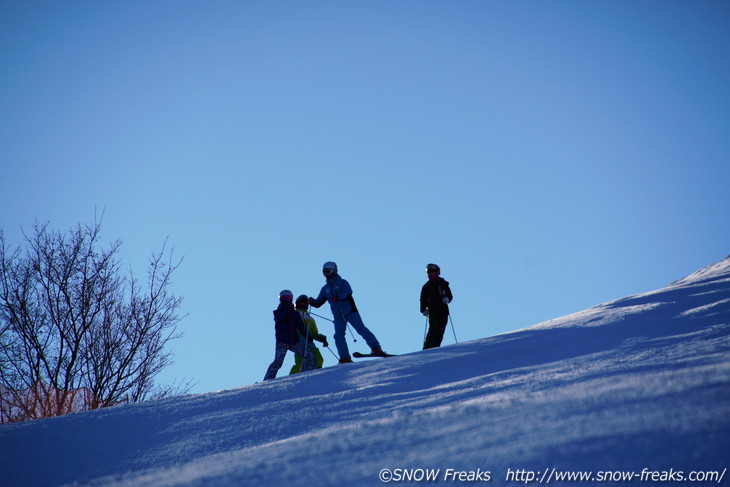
point(636, 385)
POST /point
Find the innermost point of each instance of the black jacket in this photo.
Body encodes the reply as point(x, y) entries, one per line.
point(287, 322)
point(433, 294)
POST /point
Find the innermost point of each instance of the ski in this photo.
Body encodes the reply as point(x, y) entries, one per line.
point(365, 355)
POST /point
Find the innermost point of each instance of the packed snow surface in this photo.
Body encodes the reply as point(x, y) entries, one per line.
point(641, 384)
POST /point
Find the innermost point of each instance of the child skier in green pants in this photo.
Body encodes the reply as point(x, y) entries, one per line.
point(302, 305)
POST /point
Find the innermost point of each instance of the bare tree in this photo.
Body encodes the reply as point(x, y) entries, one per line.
point(71, 321)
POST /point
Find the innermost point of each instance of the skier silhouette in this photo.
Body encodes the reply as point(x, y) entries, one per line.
point(435, 298)
point(339, 294)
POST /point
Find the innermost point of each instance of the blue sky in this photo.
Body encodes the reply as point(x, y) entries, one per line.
point(549, 156)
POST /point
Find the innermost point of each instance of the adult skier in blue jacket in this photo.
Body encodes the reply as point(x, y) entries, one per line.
point(339, 294)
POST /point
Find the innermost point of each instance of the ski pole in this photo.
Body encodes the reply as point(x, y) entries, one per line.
point(306, 343)
point(323, 317)
point(425, 329)
point(452, 327)
point(331, 321)
point(306, 328)
point(333, 353)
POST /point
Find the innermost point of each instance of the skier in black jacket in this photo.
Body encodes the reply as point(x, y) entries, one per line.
point(287, 322)
point(435, 298)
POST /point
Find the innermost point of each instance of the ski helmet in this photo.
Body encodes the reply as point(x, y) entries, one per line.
point(329, 268)
point(302, 302)
point(286, 295)
point(430, 268)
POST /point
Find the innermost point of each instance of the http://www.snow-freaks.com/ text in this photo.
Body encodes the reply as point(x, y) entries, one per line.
point(550, 475)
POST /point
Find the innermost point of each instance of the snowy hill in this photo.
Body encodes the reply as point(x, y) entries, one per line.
point(638, 386)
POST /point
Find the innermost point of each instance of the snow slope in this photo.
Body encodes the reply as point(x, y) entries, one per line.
point(638, 383)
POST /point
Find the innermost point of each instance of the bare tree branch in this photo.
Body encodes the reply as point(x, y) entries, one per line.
point(70, 322)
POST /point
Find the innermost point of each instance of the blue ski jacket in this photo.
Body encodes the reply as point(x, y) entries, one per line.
point(339, 294)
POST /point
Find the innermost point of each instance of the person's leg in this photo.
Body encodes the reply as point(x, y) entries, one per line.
point(306, 354)
point(279, 355)
point(318, 358)
point(436, 328)
point(297, 367)
point(443, 321)
point(356, 322)
point(340, 340)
